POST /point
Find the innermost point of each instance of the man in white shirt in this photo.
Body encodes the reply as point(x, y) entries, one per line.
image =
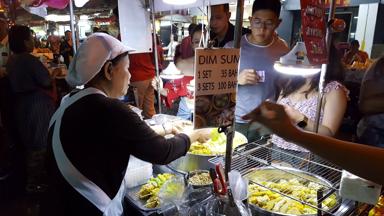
point(4, 46)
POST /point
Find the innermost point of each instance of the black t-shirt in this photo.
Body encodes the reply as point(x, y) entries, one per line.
point(98, 135)
point(26, 73)
point(229, 36)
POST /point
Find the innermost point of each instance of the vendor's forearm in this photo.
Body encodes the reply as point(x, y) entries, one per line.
point(362, 160)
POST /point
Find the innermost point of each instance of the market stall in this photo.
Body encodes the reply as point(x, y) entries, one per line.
point(262, 181)
point(288, 186)
point(299, 187)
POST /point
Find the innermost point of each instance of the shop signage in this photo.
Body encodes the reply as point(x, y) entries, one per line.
point(135, 25)
point(215, 86)
point(314, 30)
point(107, 20)
point(339, 3)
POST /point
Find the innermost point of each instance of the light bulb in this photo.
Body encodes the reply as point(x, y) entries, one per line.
point(80, 3)
point(296, 70)
point(179, 2)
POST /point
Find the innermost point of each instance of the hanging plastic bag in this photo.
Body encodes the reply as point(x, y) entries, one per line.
point(239, 185)
point(223, 206)
point(359, 189)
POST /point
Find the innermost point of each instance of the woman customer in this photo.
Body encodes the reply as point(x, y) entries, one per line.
point(66, 48)
point(300, 95)
point(186, 66)
point(370, 129)
point(92, 134)
point(31, 87)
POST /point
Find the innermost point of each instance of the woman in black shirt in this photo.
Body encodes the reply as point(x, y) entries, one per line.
point(32, 102)
point(97, 133)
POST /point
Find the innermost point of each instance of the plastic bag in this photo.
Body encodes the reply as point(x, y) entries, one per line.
point(359, 189)
point(239, 185)
point(172, 190)
point(222, 206)
point(192, 200)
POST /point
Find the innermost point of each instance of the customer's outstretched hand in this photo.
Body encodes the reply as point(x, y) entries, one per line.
point(274, 117)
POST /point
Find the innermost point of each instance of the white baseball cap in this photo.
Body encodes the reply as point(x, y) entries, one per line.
point(91, 56)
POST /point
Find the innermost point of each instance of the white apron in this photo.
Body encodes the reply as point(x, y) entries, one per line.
point(78, 181)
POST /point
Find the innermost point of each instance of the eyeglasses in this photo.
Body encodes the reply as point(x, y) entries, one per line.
point(257, 23)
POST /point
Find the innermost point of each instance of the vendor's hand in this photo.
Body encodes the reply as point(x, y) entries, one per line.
point(198, 135)
point(295, 115)
point(175, 127)
point(181, 126)
point(274, 117)
point(248, 77)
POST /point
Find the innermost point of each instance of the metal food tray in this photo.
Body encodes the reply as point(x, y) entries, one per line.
point(261, 154)
point(133, 198)
point(132, 193)
point(192, 162)
point(270, 173)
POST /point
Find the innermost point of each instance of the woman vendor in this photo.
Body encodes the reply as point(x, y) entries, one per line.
point(92, 135)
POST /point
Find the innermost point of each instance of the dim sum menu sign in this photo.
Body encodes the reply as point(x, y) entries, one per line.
point(215, 86)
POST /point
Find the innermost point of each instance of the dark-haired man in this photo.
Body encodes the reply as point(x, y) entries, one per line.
point(222, 31)
point(185, 47)
point(354, 54)
point(257, 78)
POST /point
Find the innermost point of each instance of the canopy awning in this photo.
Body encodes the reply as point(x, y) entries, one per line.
point(161, 6)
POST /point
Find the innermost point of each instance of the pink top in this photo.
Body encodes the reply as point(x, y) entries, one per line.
point(308, 108)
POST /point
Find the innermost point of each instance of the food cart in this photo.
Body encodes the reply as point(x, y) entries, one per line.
point(288, 186)
point(305, 186)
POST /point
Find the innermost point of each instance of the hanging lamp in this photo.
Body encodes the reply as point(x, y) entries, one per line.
point(80, 3)
point(171, 72)
point(296, 62)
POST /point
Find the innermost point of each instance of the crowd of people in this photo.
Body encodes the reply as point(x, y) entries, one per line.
point(78, 151)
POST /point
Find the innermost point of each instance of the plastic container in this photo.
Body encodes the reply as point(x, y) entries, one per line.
point(198, 172)
point(139, 172)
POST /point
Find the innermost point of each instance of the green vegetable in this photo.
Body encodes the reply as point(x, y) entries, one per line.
point(215, 135)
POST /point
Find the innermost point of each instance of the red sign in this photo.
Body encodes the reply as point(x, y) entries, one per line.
point(339, 3)
point(314, 30)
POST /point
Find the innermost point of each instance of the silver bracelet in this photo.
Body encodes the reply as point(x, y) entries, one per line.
point(165, 131)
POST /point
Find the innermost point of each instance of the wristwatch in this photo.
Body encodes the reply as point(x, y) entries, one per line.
point(303, 123)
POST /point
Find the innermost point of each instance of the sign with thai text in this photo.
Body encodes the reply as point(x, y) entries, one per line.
point(339, 3)
point(313, 25)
